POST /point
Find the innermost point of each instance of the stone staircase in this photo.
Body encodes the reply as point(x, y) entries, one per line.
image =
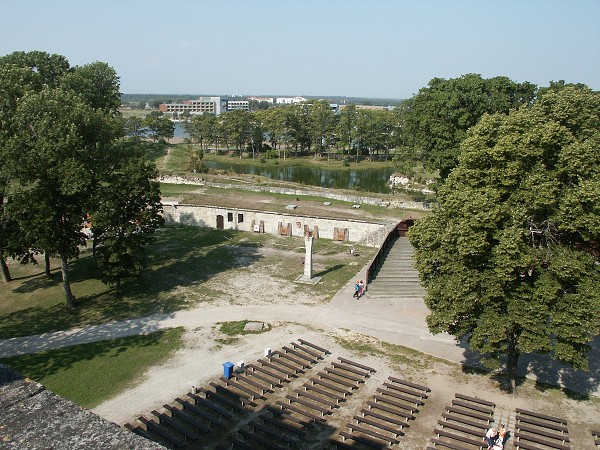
point(397, 276)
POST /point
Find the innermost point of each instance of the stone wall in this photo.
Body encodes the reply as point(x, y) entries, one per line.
point(368, 233)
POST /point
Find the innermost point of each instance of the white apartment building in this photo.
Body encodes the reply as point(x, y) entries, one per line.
point(289, 100)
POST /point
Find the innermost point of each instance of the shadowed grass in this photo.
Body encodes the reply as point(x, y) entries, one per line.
point(89, 374)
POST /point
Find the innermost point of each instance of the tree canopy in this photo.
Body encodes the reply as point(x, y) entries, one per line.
point(61, 138)
point(510, 256)
point(437, 118)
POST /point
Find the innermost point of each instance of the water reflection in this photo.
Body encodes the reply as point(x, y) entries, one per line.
point(371, 180)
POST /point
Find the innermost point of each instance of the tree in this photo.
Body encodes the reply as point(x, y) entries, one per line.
point(59, 147)
point(510, 257)
point(127, 214)
point(158, 126)
point(438, 117)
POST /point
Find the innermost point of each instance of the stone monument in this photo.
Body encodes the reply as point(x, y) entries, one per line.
point(307, 276)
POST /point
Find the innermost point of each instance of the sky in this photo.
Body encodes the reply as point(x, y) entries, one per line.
point(354, 48)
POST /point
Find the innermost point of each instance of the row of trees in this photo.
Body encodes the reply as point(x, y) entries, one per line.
point(64, 160)
point(510, 257)
point(428, 127)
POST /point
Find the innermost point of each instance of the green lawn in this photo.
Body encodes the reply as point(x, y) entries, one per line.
point(181, 257)
point(88, 374)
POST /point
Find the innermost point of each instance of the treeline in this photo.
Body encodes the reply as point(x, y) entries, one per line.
point(67, 164)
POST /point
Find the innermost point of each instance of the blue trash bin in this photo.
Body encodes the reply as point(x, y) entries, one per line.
point(227, 369)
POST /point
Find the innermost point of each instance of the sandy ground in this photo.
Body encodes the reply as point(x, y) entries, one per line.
point(284, 307)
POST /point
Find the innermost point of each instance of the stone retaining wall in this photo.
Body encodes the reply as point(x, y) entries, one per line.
point(366, 233)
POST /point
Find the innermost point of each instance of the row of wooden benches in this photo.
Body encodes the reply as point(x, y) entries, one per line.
point(463, 424)
point(533, 429)
point(323, 392)
point(382, 418)
point(196, 415)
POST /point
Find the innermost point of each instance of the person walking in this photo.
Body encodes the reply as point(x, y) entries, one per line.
point(356, 291)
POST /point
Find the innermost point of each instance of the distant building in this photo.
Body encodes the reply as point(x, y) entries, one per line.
point(231, 105)
point(262, 99)
point(201, 105)
point(289, 100)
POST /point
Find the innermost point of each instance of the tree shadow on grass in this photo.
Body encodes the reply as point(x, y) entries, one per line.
point(180, 258)
point(548, 373)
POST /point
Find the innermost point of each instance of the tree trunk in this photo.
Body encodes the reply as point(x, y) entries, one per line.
point(47, 265)
point(64, 268)
point(4, 268)
point(512, 361)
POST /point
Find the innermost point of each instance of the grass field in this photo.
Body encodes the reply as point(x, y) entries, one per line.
point(88, 374)
point(181, 257)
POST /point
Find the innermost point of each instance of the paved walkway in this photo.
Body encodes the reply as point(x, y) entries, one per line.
point(399, 321)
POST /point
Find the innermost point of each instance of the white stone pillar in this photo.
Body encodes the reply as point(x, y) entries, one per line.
point(308, 270)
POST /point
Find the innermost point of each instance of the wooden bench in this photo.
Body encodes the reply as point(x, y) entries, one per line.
point(161, 431)
point(538, 440)
point(286, 364)
point(300, 411)
point(456, 427)
point(372, 433)
point(472, 414)
point(329, 377)
point(246, 379)
point(457, 437)
point(284, 426)
point(313, 406)
point(246, 390)
point(264, 371)
point(360, 366)
point(206, 403)
point(262, 441)
point(173, 423)
point(391, 401)
point(400, 388)
point(219, 399)
point(192, 419)
point(310, 387)
point(263, 378)
point(351, 369)
point(301, 362)
point(317, 381)
point(316, 347)
point(345, 375)
point(451, 445)
point(239, 443)
point(310, 352)
point(558, 420)
point(324, 401)
point(338, 444)
point(387, 409)
point(369, 412)
point(304, 356)
point(409, 384)
point(468, 405)
point(278, 368)
point(384, 426)
point(410, 400)
point(243, 398)
point(471, 423)
point(475, 400)
point(139, 431)
point(539, 423)
point(282, 415)
point(559, 437)
point(363, 440)
point(265, 429)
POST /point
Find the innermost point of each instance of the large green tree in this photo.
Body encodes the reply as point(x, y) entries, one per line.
point(438, 117)
point(510, 257)
point(127, 213)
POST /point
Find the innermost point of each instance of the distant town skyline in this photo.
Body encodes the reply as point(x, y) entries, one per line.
point(335, 48)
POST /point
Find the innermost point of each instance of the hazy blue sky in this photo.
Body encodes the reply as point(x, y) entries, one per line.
point(361, 48)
